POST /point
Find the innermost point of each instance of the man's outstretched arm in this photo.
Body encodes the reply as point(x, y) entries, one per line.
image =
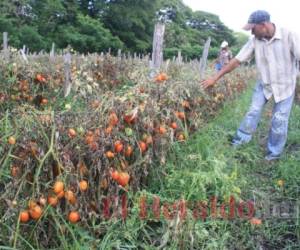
point(234, 63)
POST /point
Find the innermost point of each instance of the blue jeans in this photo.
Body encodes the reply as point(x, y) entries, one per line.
point(218, 66)
point(280, 118)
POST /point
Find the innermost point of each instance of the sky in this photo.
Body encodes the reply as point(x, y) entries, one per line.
point(234, 13)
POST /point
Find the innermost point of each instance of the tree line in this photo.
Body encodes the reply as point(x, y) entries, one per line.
point(97, 25)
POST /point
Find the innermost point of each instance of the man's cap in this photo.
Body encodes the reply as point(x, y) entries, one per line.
point(224, 44)
point(257, 17)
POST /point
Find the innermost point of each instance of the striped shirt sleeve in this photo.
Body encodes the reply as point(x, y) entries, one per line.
point(247, 52)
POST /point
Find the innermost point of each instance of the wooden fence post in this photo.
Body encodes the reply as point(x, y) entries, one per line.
point(157, 50)
point(179, 58)
point(5, 45)
point(67, 84)
point(203, 60)
point(52, 52)
point(119, 53)
point(22, 51)
point(119, 58)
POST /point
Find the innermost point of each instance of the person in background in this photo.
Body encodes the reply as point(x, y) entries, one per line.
point(224, 56)
point(276, 51)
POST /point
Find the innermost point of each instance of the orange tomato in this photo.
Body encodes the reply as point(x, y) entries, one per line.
point(52, 200)
point(71, 133)
point(118, 146)
point(12, 140)
point(70, 197)
point(161, 77)
point(158, 78)
point(108, 130)
point(110, 154)
point(40, 78)
point(142, 146)
point(123, 179)
point(74, 216)
point(58, 187)
point(24, 216)
point(83, 185)
point(255, 221)
point(128, 151)
point(89, 139)
point(173, 125)
point(115, 175)
point(44, 101)
point(180, 115)
point(113, 119)
point(35, 212)
point(61, 194)
point(162, 130)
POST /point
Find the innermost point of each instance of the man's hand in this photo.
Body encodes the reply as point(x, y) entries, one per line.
point(228, 68)
point(207, 83)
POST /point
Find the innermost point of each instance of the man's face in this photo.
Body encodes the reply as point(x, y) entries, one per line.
point(259, 31)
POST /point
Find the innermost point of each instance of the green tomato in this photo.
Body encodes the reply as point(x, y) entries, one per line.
point(128, 131)
point(68, 106)
point(80, 130)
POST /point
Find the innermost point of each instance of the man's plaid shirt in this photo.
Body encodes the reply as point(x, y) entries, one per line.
point(275, 61)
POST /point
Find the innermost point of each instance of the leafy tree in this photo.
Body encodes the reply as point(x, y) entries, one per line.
point(49, 14)
point(16, 18)
point(132, 21)
point(88, 35)
point(28, 35)
point(210, 25)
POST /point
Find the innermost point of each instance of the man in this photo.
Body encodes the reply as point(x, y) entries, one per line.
point(276, 51)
